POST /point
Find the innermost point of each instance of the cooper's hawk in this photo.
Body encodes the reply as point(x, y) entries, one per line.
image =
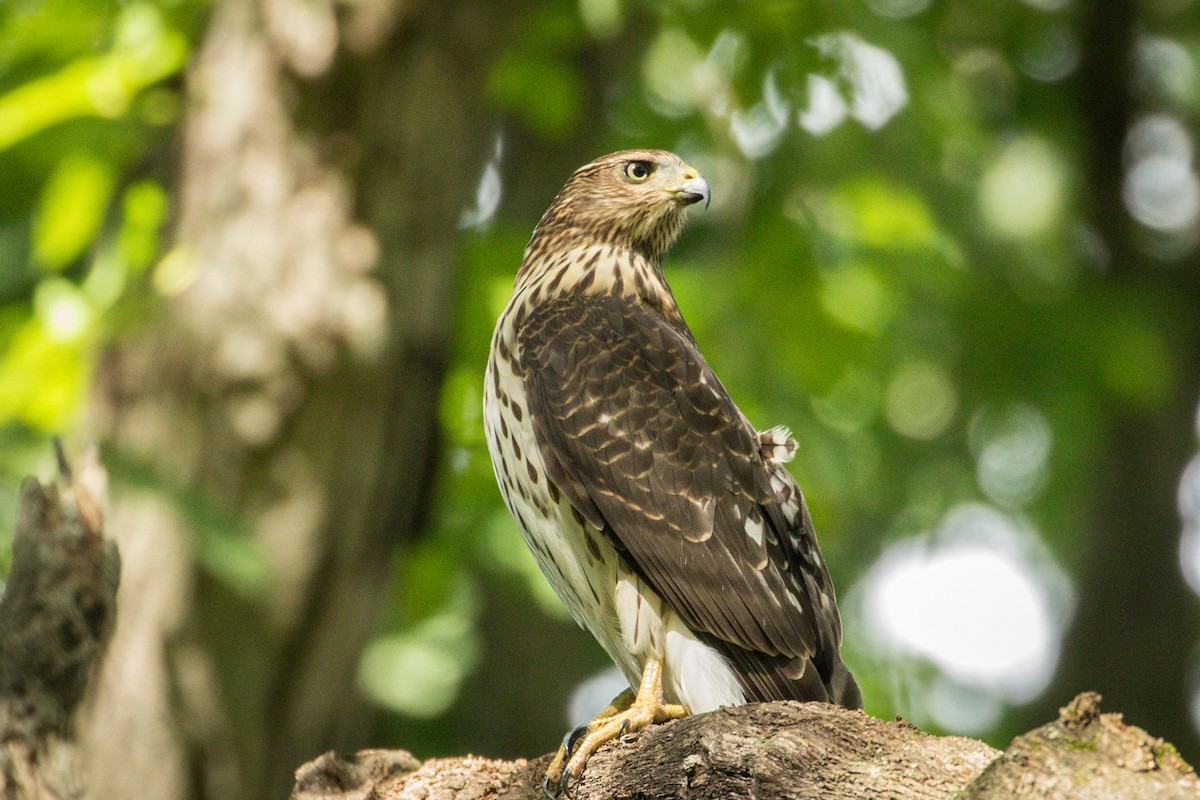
point(667, 523)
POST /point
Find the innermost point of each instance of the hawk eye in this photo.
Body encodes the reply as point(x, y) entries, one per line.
point(638, 171)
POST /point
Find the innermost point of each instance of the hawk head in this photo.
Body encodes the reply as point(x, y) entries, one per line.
point(633, 198)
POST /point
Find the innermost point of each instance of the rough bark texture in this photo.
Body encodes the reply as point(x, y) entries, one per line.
point(1086, 755)
point(273, 428)
point(55, 620)
point(793, 750)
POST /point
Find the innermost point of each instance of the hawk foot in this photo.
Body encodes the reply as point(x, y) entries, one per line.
point(625, 714)
point(556, 776)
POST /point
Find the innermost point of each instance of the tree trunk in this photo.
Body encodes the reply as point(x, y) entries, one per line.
point(791, 750)
point(273, 429)
point(1135, 608)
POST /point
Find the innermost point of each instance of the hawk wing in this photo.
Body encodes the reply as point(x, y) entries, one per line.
point(641, 437)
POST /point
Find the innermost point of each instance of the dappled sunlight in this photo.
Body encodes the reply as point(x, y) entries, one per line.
point(42, 378)
point(1161, 188)
point(857, 297)
point(921, 400)
point(1193, 700)
point(714, 75)
point(898, 9)
point(759, 130)
point(668, 69)
point(1052, 55)
point(874, 215)
point(1023, 192)
point(1012, 453)
point(602, 18)
point(175, 272)
point(63, 309)
point(1165, 68)
point(980, 599)
point(826, 106)
point(1189, 559)
point(1189, 539)
point(1189, 513)
point(868, 86)
point(874, 79)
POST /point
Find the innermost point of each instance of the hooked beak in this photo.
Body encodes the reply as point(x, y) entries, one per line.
point(693, 191)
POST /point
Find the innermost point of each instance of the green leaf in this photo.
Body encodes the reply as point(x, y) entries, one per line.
point(145, 207)
point(71, 209)
point(145, 52)
point(42, 378)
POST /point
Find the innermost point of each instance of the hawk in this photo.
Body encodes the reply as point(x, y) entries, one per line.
point(667, 524)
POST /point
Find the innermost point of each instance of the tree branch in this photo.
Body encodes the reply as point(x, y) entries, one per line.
point(794, 750)
point(55, 620)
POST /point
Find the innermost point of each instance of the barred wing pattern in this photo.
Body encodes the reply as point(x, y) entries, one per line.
point(640, 436)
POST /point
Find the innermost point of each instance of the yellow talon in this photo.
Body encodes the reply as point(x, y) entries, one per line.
point(627, 713)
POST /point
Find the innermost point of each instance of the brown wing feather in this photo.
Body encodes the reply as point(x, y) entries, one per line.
point(645, 442)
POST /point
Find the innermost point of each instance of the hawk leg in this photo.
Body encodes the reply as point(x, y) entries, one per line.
point(627, 713)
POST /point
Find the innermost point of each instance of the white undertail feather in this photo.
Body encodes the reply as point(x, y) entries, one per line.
point(699, 676)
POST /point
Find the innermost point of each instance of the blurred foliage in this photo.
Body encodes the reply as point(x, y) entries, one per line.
point(87, 114)
point(898, 264)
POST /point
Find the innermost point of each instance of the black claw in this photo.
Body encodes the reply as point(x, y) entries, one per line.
point(546, 793)
point(624, 727)
point(572, 738)
point(564, 783)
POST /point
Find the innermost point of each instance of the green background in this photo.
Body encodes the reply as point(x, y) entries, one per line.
point(952, 246)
